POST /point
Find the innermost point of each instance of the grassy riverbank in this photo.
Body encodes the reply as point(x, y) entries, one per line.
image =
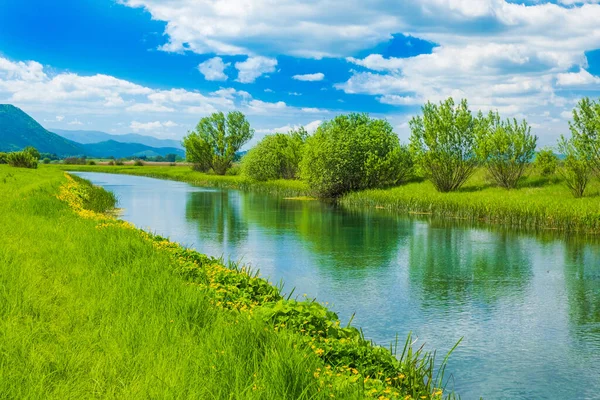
point(92, 307)
point(538, 203)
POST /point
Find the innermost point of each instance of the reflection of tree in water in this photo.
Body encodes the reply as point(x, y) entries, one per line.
point(217, 214)
point(339, 238)
point(582, 278)
point(464, 264)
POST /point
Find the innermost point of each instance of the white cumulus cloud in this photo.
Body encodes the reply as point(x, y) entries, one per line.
point(319, 76)
point(254, 67)
point(214, 69)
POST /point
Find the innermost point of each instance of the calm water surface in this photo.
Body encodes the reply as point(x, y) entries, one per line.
point(528, 307)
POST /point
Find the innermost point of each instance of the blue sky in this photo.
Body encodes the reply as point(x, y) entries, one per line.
point(157, 66)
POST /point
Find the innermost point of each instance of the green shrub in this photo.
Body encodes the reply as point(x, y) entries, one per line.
point(74, 160)
point(46, 160)
point(22, 159)
point(172, 164)
point(138, 163)
point(275, 156)
point(353, 152)
point(443, 143)
point(546, 162)
point(111, 162)
point(3, 158)
point(33, 151)
point(577, 167)
point(119, 162)
point(91, 162)
point(505, 149)
point(233, 171)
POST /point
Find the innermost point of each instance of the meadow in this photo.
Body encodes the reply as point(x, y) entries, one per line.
point(538, 203)
point(91, 307)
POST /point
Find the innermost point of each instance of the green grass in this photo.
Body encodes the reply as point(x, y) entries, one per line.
point(538, 203)
point(94, 313)
point(186, 174)
point(93, 308)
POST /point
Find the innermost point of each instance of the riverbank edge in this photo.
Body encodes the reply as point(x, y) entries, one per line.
point(450, 206)
point(350, 362)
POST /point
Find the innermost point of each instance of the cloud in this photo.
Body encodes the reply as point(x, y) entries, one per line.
point(75, 122)
point(309, 77)
point(311, 127)
point(580, 78)
point(213, 69)
point(151, 126)
point(59, 118)
point(254, 67)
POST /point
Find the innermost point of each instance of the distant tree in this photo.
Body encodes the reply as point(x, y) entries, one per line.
point(353, 152)
point(585, 131)
point(46, 160)
point(444, 142)
point(505, 148)
point(33, 152)
point(546, 162)
point(3, 158)
point(216, 140)
point(577, 166)
point(276, 156)
point(170, 157)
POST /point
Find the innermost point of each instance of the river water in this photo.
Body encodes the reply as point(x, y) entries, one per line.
point(527, 306)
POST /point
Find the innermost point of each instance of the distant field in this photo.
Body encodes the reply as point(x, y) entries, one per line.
point(538, 203)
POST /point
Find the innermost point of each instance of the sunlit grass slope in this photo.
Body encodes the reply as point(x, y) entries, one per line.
point(87, 312)
point(91, 307)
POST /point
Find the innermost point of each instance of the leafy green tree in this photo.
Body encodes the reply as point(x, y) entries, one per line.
point(276, 156)
point(46, 160)
point(444, 141)
point(33, 152)
point(22, 159)
point(585, 131)
point(353, 152)
point(216, 140)
point(170, 157)
point(505, 148)
point(577, 166)
point(546, 162)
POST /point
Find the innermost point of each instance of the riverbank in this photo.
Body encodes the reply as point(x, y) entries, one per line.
point(92, 306)
point(538, 204)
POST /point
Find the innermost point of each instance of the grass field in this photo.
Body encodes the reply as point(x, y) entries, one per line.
point(91, 307)
point(539, 203)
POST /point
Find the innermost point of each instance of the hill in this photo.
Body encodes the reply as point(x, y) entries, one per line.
point(88, 137)
point(121, 150)
point(18, 130)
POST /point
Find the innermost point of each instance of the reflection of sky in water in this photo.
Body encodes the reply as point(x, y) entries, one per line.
point(528, 307)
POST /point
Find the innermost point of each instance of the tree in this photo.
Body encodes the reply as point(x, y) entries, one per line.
point(505, 148)
point(577, 166)
point(546, 162)
point(443, 143)
point(170, 157)
point(216, 140)
point(276, 156)
point(353, 152)
point(585, 131)
point(22, 159)
point(33, 152)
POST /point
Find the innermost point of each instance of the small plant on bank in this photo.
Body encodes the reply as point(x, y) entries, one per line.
point(111, 162)
point(212, 146)
point(276, 156)
point(505, 148)
point(91, 162)
point(443, 143)
point(21, 159)
point(3, 158)
point(138, 163)
point(546, 162)
point(353, 152)
point(119, 162)
point(46, 160)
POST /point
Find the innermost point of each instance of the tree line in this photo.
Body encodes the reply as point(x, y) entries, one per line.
point(448, 143)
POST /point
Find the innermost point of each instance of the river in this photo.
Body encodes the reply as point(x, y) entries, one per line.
point(526, 305)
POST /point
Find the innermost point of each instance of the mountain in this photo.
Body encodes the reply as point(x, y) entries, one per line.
point(18, 130)
point(87, 137)
point(121, 150)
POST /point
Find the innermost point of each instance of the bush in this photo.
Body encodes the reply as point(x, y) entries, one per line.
point(546, 162)
point(216, 140)
point(444, 142)
point(119, 162)
point(138, 163)
point(22, 159)
point(74, 160)
point(33, 152)
point(46, 160)
point(505, 148)
point(111, 162)
point(172, 164)
point(3, 158)
point(91, 162)
point(233, 171)
point(275, 156)
point(577, 167)
point(353, 152)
